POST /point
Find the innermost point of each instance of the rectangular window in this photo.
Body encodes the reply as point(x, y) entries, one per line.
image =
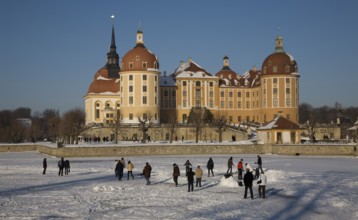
point(211, 94)
point(155, 100)
point(275, 91)
point(231, 104)
point(144, 77)
point(238, 94)
point(155, 89)
point(184, 83)
point(144, 88)
point(197, 93)
point(165, 92)
point(222, 94)
point(130, 116)
point(247, 104)
point(130, 88)
point(222, 105)
point(211, 103)
point(247, 94)
point(275, 80)
point(130, 77)
point(144, 99)
point(131, 100)
point(184, 104)
point(97, 113)
point(184, 93)
point(230, 94)
point(173, 93)
point(275, 102)
point(239, 118)
point(247, 118)
point(211, 84)
point(156, 78)
point(230, 118)
point(287, 90)
point(287, 80)
point(174, 104)
point(288, 102)
point(239, 104)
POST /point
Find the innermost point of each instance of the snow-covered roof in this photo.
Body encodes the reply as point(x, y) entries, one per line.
point(280, 123)
point(165, 80)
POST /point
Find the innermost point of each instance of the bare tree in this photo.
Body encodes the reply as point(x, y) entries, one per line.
point(198, 117)
point(116, 126)
point(35, 131)
point(73, 124)
point(311, 125)
point(220, 123)
point(145, 122)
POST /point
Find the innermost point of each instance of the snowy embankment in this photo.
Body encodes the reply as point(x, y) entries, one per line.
point(298, 188)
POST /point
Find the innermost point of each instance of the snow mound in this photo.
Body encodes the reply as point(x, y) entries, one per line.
point(228, 182)
point(104, 188)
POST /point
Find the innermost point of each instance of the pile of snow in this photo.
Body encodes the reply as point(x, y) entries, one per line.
point(228, 182)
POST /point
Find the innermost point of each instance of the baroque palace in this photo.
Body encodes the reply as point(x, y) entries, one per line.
point(134, 87)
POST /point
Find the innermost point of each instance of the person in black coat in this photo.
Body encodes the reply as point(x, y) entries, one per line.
point(259, 163)
point(119, 170)
point(210, 166)
point(187, 166)
point(190, 174)
point(61, 165)
point(67, 167)
point(44, 164)
point(248, 179)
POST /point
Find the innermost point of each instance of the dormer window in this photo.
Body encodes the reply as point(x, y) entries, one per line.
point(287, 69)
point(137, 58)
point(269, 62)
point(130, 65)
point(274, 69)
point(144, 65)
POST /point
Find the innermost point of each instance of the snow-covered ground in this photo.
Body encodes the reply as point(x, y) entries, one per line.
point(298, 188)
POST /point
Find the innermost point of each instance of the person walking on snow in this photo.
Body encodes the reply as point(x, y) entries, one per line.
point(187, 166)
point(176, 173)
point(61, 165)
point(198, 175)
point(44, 165)
point(259, 162)
point(130, 167)
point(230, 164)
point(67, 167)
point(262, 185)
point(119, 170)
point(210, 166)
point(146, 172)
point(190, 174)
point(248, 179)
point(240, 168)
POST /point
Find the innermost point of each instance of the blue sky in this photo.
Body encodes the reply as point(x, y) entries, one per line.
point(50, 50)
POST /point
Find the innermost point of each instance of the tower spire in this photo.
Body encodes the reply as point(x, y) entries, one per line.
point(279, 44)
point(112, 56)
point(140, 41)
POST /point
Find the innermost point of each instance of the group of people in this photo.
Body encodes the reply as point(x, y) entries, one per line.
point(62, 165)
point(120, 165)
point(190, 174)
point(249, 177)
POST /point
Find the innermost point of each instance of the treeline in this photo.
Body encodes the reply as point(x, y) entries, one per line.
point(17, 126)
point(327, 115)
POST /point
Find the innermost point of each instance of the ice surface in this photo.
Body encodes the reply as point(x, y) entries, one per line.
point(298, 188)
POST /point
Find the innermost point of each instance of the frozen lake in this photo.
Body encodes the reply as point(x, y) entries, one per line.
point(298, 188)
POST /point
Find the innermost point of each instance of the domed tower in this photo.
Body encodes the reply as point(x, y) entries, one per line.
point(102, 98)
point(139, 87)
point(280, 81)
point(227, 76)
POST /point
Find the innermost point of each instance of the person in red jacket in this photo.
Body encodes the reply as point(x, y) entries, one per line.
point(240, 168)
